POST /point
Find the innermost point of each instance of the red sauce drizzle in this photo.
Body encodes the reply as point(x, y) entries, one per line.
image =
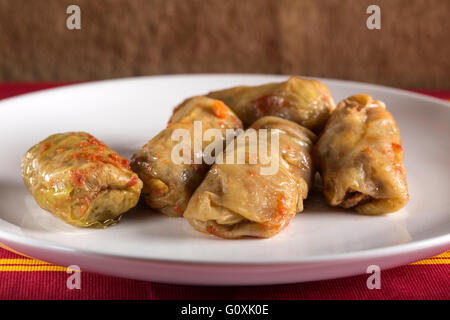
point(132, 182)
point(78, 178)
point(220, 109)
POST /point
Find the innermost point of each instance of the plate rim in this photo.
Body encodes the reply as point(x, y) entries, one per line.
point(424, 244)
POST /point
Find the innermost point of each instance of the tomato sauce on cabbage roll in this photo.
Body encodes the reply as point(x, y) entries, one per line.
point(80, 179)
point(306, 102)
point(360, 158)
point(238, 200)
point(169, 185)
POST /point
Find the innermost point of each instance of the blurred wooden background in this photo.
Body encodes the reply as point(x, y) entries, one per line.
point(324, 38)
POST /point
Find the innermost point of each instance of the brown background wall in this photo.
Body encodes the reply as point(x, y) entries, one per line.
point(325, 38)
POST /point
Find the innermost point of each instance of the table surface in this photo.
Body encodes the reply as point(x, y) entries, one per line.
point(26, 278)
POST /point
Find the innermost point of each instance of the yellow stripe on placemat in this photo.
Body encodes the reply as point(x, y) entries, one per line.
point(432, 261)
point(21, 261)
point(12, 250)
point(33, 268)
point(29, 264)
point(443, 255)
point(443, 258)
point(30, 260)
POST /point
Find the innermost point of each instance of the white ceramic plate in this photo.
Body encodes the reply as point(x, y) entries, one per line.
point(320, 243)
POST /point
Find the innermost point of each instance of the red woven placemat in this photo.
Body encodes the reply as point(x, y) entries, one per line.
point(25, 278)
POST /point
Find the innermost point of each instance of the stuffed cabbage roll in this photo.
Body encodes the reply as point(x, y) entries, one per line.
point(241, 200)
point(306, 102)
point(360, 158)
point(80, 179)
point(169, 185)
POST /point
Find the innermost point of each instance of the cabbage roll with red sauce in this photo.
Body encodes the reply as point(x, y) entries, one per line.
point(169, 185)
point(242, 200)
point(80, 180)
point(360, 158)
point(306, 102)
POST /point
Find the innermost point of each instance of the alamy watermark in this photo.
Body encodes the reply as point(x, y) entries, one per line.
point(373, 22)
point(374, 281)
point(74, 281)
point(73, 21)
point(249, 147)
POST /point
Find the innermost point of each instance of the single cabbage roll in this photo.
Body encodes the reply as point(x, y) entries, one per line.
point(80, 179)
point(168, 185)
point(360, 158)
point(306, 102)
point(243, 200)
